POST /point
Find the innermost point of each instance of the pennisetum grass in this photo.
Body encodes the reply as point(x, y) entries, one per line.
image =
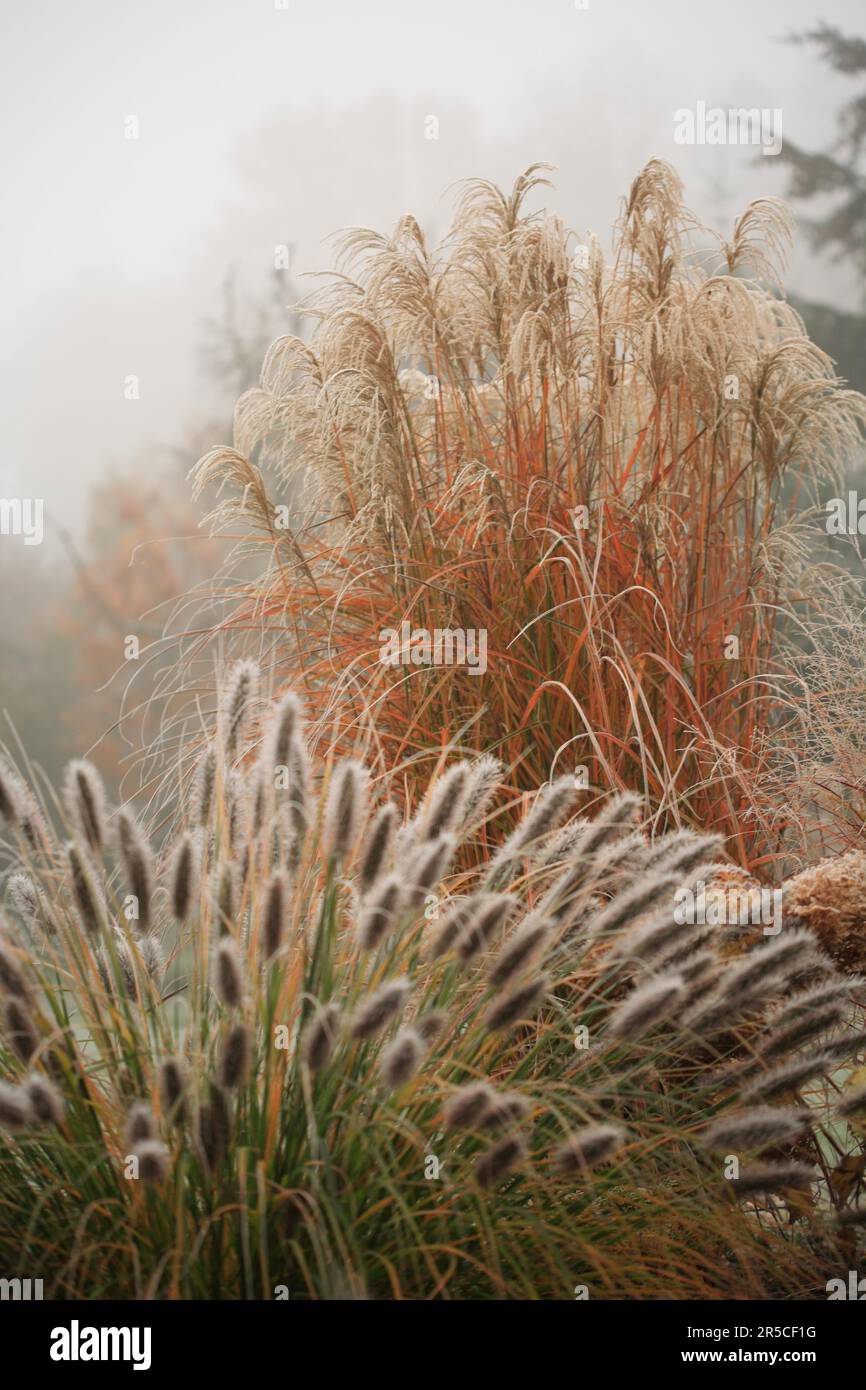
point(289, 1062)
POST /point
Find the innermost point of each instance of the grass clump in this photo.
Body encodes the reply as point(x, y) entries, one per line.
point(332, 1057)
point(602, 466)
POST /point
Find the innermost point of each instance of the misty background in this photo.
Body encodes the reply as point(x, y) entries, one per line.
point(262, 125)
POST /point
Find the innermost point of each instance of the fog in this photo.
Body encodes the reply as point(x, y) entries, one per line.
point(259, 126)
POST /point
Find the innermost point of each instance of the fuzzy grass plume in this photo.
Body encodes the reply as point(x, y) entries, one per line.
point(600, 466)
point(431, 1107)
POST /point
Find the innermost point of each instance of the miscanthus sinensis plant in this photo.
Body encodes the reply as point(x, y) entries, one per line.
point(600, 462)
point(294, 1047)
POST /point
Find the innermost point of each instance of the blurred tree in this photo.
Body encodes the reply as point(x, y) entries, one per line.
point(141, 554)
point(37, 655)
point(836, 177)
point(234, 344)
point(838, 173)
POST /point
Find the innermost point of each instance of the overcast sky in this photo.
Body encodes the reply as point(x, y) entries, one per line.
point(261, 125)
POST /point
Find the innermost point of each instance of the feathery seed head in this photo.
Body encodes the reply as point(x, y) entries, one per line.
point(549, 807)
point(619, 861)
point(379, 1008)
point(507, 1009)
point(287, 722)
point(235, 1057)
point(589, 1147)
point(566, 899)
point(617, 815)
point(257, 798)
point(84, 794)
point(21, 1031)
point(507, 1108)
point(652, 939)
point(486, 915)
point(345, 810)
point(238, 812)
point(12, 977)
point(152, 1158)
point(559, 848)
point(321, 1036)
point(468, 1107)
point(116, 965)
point(772, 960)
point(683, 852)
point(228, 978)
point(212, 1130)
point(849, 1046)
point(698, 966)
point(765, 1179)
point(425, 868)
point(297, 797)
point(651, 1004)
point(484, 775)
point(17, 804)
point(25, 898)
point(86, 896)
point(650, 893)
point(709, 1010)
point(450, 927)
point(500, 1160)
point(276, 912)
point(379, 914)
point(699, 973)
point(140, 1125)
point(837, 989)
point(238, 696)
point(152, 957)
point(45, 1100)
point(8, 795)
point(138, 865)
point(224, 889)
point(687, 946)
point(172, 1088)
point(522, 947)
point(755, 1128)
point(778, 1042)
point(786, 1078)
point(444, 812)
point(376, 848)
point(205, 783)
point(401, 1058)
point(15, 1108)
point(184, 875)
point(429, 1025)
